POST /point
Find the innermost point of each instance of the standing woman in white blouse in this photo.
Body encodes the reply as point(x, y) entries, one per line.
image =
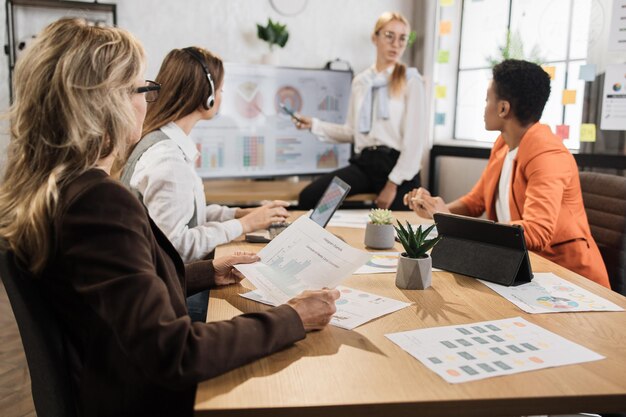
point(385, 119)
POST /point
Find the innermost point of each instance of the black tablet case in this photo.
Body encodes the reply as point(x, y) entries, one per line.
point(482, 249)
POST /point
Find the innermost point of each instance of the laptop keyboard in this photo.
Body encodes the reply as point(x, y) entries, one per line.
point(276, 228)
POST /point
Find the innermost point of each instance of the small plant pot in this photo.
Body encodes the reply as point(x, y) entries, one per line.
point(379, 236)
point(270, 58)
point(414, 273)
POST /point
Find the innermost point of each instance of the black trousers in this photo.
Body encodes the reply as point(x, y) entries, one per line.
point(368, 172)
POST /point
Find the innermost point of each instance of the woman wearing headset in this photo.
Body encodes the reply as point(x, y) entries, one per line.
point(160, 168)
point(384, 121)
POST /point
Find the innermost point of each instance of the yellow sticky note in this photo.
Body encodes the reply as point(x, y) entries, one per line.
point(446, 3)
point(445, 27)
point(551, 70)
point(569, 97)
point(588, 132)
point(443, 56)
point(441, 91)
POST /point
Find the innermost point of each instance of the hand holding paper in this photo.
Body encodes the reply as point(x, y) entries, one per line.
point(315, 308)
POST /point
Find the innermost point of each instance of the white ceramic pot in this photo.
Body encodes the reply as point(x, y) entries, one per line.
point(379, 236)
point(414, 273)
point(270, 58)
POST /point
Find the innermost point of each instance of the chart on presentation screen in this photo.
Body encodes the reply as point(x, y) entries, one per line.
point(253, 136)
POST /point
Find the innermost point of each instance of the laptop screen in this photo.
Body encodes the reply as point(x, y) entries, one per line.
point(331, 200)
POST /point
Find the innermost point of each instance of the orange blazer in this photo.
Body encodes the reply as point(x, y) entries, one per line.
point(545, 198)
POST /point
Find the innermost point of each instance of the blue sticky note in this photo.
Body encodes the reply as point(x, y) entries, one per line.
point(440, 119)
point(587, 72)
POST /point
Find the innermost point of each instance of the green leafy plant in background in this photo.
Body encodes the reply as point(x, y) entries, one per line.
point(412, 38)
point(414, 242)
point(380, 216)
point(273, 33)
point(513, 48)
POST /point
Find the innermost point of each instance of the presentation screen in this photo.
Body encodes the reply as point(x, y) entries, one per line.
point(252, 136)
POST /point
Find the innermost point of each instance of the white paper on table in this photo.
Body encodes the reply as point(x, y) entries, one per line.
point(548, 293)
point(354, 308)
point(304, 256)
point(380, 263)
point(470, 352)
point(356, 219)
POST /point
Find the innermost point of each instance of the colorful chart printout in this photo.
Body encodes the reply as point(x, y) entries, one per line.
point(469, 352)
point(548, 293)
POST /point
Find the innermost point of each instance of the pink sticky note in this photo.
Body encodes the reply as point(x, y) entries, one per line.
point(562, 131)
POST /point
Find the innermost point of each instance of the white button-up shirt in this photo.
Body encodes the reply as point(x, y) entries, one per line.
point(403, 131)
point(171, 188)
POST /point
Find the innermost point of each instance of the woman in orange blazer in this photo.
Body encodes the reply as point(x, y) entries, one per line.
point(531, 178)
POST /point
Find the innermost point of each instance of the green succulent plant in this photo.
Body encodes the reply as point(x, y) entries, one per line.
point(381, 216)
point(413, 241)
point(273, 33)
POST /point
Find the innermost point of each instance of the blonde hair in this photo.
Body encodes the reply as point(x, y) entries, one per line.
point(398, 76)
point(184, 87)
point(72, 107)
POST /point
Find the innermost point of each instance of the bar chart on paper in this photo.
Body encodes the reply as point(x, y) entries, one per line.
point(304, 256)
point(282, 272)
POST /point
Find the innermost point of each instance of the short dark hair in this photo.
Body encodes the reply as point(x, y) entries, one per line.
point(523, 84)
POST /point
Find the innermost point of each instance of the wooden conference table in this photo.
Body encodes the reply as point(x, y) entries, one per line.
point(337, 372)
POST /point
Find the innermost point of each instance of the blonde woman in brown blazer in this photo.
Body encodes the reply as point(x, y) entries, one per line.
point(112, 279)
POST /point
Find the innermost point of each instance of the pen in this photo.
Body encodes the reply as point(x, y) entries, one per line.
point(290, 112)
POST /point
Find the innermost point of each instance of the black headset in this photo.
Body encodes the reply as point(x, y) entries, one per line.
point(198, 57)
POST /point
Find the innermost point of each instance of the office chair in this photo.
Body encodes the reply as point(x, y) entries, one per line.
point(604, 198)
point(43, 344)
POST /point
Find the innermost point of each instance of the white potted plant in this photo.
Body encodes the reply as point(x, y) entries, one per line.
point(415, 264)
point(379, 232)
point(274, 34)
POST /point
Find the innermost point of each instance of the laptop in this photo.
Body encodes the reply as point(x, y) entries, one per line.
point(330, 201)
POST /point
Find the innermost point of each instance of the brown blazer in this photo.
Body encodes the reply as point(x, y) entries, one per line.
point(545, 199)
point(118, 287)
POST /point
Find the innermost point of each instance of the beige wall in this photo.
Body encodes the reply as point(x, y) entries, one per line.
point(456, 175)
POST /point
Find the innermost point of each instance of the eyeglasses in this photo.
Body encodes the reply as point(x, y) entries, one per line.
point(151, 89)
point(390, 38)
